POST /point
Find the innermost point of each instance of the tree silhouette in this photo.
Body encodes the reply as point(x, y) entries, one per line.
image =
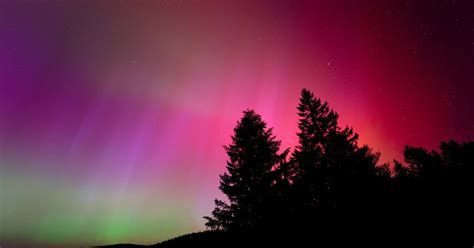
point(331, 173)
point(252, 172)
point(316, 121)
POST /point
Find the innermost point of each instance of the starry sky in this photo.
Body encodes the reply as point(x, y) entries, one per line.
point(113, 113)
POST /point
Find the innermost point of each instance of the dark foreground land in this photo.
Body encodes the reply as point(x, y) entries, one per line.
point(380, 238)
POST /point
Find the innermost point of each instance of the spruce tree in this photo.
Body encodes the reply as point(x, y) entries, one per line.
point(331, 171)
point(252, 172)
point(315, 123)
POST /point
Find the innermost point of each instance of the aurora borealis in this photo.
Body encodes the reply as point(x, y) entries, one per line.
point(113, 113)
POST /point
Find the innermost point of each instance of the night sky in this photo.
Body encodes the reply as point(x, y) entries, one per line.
point(113, 113)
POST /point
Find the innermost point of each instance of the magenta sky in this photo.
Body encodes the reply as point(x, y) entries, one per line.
point(113, 113)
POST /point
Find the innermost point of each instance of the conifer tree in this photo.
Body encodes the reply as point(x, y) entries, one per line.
point(330, 169)
point(253, 158)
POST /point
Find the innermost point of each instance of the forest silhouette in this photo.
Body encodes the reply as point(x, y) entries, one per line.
point(329, 191)
point(330, 188)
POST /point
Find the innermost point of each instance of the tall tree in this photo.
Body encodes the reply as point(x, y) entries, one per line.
point(330, 170)
point(316, 122)
point(252, 172)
